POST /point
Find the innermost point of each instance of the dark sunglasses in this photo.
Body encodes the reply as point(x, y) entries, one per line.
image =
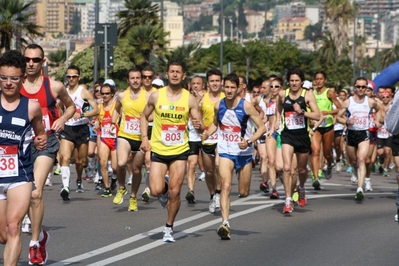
point(97, 91)
point(360, 87)
point(255, 92)
point(105, 93)
point(34, 59)
point(147, 77)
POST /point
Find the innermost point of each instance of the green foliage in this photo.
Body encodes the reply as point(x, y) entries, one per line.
point(57, 58)
point(242, 21)
point(312, 32)
point(204, 23)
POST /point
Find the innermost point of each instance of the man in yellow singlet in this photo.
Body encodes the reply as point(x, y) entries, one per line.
point(171, 107)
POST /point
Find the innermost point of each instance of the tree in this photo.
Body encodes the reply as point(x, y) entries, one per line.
point(15, 21)
point(328, 50)
point(390, 56)
point(138, 12)
point(242, 20)
point(57, 58)
point(142, 40)
point(339, 13)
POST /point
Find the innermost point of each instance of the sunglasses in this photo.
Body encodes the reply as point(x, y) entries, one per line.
point(147, 77)
point(72, 76)
point(256, 92)
point(14, 79)
point(34, 59)
point(97, 91)
point(386, 97)
point(360, 87)
point(105, 93)
point(275, 86)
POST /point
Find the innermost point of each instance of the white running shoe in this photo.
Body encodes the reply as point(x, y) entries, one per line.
point(338, 167)
point(26, 225)
point(216, 198)
point(48, 182)
point(354, 178)
point(395, 218)
point(325, 167)
point(201, 177)
point(368, 186)
point(129, 181)
point(391, 166)
point(212, 207)
point(168, 235)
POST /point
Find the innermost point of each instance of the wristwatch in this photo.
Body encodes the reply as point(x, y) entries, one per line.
point(249, 143)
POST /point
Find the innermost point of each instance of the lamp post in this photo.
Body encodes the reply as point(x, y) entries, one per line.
point(231, 29)
point(221, 35)
point(354, 42)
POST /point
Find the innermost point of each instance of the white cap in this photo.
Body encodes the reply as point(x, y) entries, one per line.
point(307, 84)
point(109, 82)
point(158, 82)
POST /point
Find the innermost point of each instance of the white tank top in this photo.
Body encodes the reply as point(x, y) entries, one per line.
point(81, 107)
point(359, 111)
point(337, 126)
point(192, 132)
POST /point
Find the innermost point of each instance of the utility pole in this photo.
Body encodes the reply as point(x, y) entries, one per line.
point(97, 10)
point(354, 42)
point(378, 33)
point(221, 35)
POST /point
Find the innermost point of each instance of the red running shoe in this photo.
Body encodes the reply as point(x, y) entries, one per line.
point(264, 186)
point(302, 199)
point(35, 257)
point(288, 207)
point(43, 243)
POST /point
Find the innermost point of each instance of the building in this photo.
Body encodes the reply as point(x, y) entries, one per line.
point(291, 29)
point(255, 19)
point(173, 23)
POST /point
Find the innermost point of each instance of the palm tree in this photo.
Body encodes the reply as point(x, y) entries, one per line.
point(328, 50)
point(142, 40)
point(138, 12)
point(57, 58)
point(339, 13)
point(390, 56)
point(15, 22)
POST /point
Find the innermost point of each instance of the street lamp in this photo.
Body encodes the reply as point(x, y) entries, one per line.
point(231, 29)
point(354, 42)
point(241, 36)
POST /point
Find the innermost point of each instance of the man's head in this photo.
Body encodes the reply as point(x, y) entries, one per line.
point(147, 75)
point(176, 72)
point(73, 75)
point(242, 86)
point(12, 72)
point(214, 79)
point(343, 94)
point(295, 78)
point(134, 78)
point(360, 86)
point(230, 84)
point(197, 84)
point(34, 56)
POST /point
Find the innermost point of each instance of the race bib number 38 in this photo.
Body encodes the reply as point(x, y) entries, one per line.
point(293, 120)
point(8, 161)
point(173, 134)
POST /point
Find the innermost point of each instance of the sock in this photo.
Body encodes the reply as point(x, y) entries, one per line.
point(171, 226)
point(213, 195)
point(41, 235)
point(288, 199)
point(33, 243)
point(217, 191)
point(65, 174)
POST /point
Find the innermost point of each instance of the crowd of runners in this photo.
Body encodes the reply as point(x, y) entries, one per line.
point(294, 128)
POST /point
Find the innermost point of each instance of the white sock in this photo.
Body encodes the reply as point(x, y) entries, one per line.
point(33, 243)
point(65, 174)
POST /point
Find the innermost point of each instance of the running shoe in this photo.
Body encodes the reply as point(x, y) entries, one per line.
point(106, 194)
point(316, 184)
point(288, 207)
point(354, 178)
point(324, 168)
point(57, 171)
point(48, 181)
point(295, 196)
point(302, 198)
point(391, 166)
point(190, 197)
point(35, 256)
point(216, 198)
point(145, 196)
point(212, 206)
point(168, 235)
point(264, 186)
point(274, 195)
point(385, 173)
point(98, 186)
point(224, 231)
point(26, 225)
point(119, 196)
point(164, 197)
point(395, 217)
point(132, 205)
point(79, 186)
point(380, 170)
point(202, 176)
point(359, 195)
point(350, 169)
point(328, 172)
point(320, 174)
point(338, 167)
point(65, 193)
point(43, 244)
point(129, 181)
point(368, 186)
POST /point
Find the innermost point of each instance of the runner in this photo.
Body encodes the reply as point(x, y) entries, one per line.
point(42, 89)
point(295, 106)
point(323, 132)
point(235, 146)
point(129, 106)
point(171, 107)
point(338, 134)
point(76, 133)
point(357, 110)
point(19, 116)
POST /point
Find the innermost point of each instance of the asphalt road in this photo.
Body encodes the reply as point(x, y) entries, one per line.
point(332, 229)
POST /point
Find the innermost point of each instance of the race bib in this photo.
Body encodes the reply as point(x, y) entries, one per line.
point(271, 109)
point(361, 121)
point(46, 122)
point(173, 134)
point(132, 125)
point(293, 120)
point(106, 132)
point(324, 122)
point(383, 133)
point(8, 161)
point(212, 139)
point(230, 134)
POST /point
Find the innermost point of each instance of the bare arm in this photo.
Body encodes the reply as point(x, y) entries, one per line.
point(341, 118)
point(311, 102)
point(336, 102)
point(212, 127)
point(60, 92)
point(195, 113)
point(87, 96)
point(144, 119)
point(35, 117)
point(253, 114)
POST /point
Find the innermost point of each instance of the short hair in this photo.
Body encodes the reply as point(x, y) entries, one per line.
point(74, 67)
point(232, 77)
point(133, 69)
point(196, 77)
point(244, 79)
point(214, 71)
point(273, 76)
point(295, 71)
point(112, 88)
point(35, 46)
point(361, 78)
point(147, 68)
point(98, 82)
point(278, 79)
point(177, 63)
point(13, 58)
point(320, 72)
